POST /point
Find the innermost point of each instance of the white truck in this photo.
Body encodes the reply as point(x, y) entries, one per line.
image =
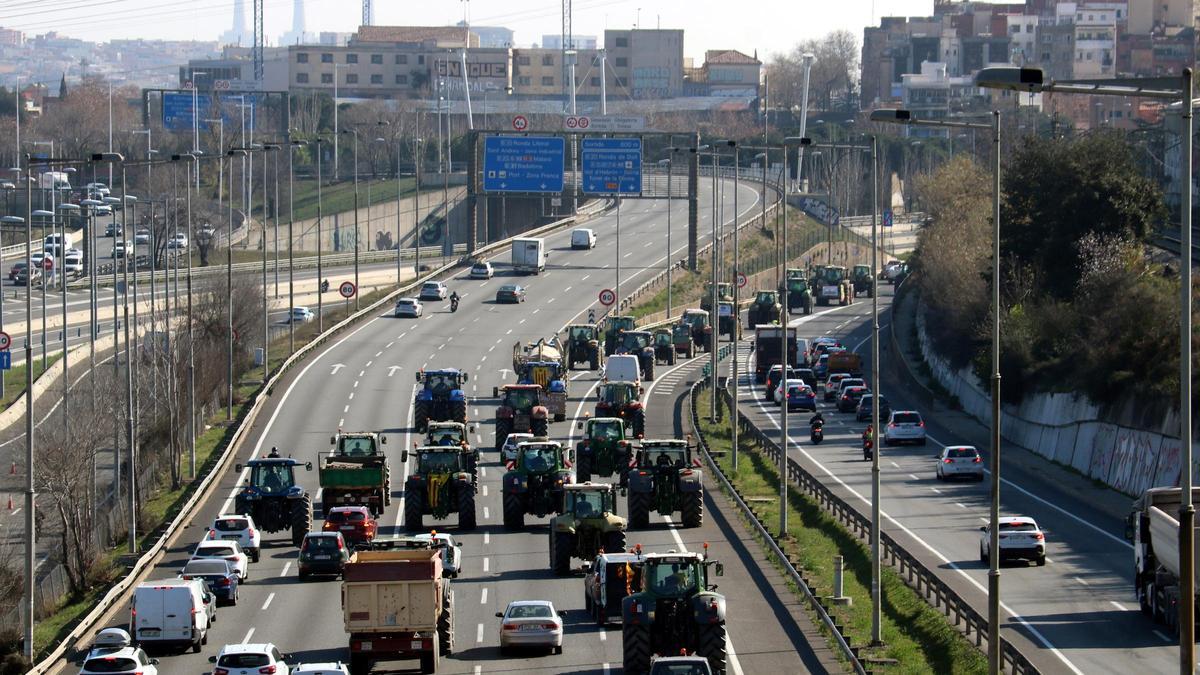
point(54, 180)
point(1153, 527)
point(529, 255)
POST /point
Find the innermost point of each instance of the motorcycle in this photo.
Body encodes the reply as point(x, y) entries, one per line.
point(816, 433)
point(325, 286)
point(868, 449)
point(453, 305)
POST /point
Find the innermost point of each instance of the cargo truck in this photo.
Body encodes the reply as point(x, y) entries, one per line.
point(1153, 527)
point(355, 473)
point(528, 255)
point(767, 350)
point(845, 362)
point(397, 605)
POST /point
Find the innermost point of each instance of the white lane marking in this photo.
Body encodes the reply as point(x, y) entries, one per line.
point(249, 634)
point(351, 398)
point(894, 465)
point(346, 409)
point(356, 384)
point(1080, 580)
point(1162, 637)
point(389, 345)
point(479, 633)
point(485, 491)
point(368, 364)
point(483, 596)
point(487, 538)
point(268, 602)
point(603, 635)
point(936, 490)
point(486, 564)
point(960, 505)
point(362, 372)
point(341, 422)
point(286, 567)
point(509, 332)
point(408, 444)
point(379, 353)
point(539, 309)
point(519, 322)
point(913, 476)
point(1118, 605)
point(585, 277)
point(486, 514)
point(567, 289)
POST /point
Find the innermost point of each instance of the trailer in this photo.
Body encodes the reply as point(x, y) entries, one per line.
point(1153, 527)
point(355, 473)
point(767, 352)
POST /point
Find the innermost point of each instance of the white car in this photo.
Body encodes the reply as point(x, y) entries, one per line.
point(99, 188)
point(831, 385)
point(239, 528)
point(225, 550)
point(73, 263)
point(434, 290)
point(37, 257)
point(482, 270)
point(333, 668)
point(408, 307)
point(531, 623)
point(904, 426)
point(113, 652)
point(302, 315)
point(959, 460)
point(451, 551)
point(141, 237)
point(509, 449)
point(250, 659)
point(121, 248)
point(777, 395)
point(179, 241)
point(1020, 539)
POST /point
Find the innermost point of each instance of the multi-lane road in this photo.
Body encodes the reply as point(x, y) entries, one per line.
point(364, 381)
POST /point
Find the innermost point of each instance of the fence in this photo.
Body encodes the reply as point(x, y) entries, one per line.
point(915, 574)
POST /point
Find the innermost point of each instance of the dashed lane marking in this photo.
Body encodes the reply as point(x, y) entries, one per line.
point(268, 602)
point(483, 596)
point(249, 634)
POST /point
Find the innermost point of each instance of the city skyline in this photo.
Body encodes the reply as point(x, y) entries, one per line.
point(708, 24)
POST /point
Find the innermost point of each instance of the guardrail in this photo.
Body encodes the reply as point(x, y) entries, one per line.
point(834, 629)
point(915, 574)
point(244, 424)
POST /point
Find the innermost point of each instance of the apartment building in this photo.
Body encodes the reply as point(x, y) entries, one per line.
point(645, 63)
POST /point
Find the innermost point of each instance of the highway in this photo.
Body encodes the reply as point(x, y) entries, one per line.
point(364, 380)
point(1076, 615)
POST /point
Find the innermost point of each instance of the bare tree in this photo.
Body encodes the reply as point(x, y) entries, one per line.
point(833, 81)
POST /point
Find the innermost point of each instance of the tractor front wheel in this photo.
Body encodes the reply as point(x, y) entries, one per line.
point(614, 542)
point(414, 506)
point(539, 427)
point(560, 553)
point(466, 508)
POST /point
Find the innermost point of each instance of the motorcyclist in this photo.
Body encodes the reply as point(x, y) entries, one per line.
point(325, 286)
point(453, 300)
point(816, 420)
point(868, 436)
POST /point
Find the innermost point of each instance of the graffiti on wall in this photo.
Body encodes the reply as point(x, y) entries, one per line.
point(1134, 461)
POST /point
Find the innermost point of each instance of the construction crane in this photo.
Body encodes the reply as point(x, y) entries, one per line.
point(258, 41)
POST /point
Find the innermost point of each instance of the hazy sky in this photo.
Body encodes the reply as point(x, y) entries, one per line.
point(766, 25)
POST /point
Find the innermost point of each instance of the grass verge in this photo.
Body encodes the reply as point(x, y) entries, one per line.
point(917, 638)
point(14, 379)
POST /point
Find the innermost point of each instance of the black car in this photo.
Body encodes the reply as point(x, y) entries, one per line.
point(323, 553)
point(863, 412)
point(848, 401)
point(809, 377)
point(774, 377)
point(511, 293)
point(218, 575)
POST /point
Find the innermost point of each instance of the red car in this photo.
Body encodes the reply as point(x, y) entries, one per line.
point(354, 522)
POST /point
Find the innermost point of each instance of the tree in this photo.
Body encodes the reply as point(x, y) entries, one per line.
point(833, 80)
point(1058, 192)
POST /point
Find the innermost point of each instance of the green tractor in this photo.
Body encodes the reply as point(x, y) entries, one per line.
point(534, 483)
point(666, 479)
point(604, 449)
point(681, 341)
point(864, 281)
point(664, 347)
point(834, 286)
point(765, 309)
point(799, 292)
point(587, 526)
point(724, 294)
point(623, 400)
point(728, 322)
point(613, 327)
point(676, 610)
point(639, 343)
point(272, 498)
point(583, 345)
point(440, 485)
point(697, 320)
point(456, 434)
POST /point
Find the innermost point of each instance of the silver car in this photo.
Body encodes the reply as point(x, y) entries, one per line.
point(957, 461)
point(509, 450)
point(434, 290)
point(1020, 539)
point(408, 307)
point(531, 623)
point(904, 426)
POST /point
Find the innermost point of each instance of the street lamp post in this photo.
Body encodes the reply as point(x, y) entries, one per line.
point(272, 148)
point(357, 233)
point(737, 319)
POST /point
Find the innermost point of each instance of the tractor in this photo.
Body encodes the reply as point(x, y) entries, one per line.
point(697, 320)
point(441, 399)
point(273, 499)
point(587, 526)
point(604, 449)
point(764, 310)
point(681, 341)
point(724, 294)
point(621, 400)
point(520, 410)
point(456, 434)
point(440, 485)
point(799, 293)
point(727, 321)
point(665, 478)
point(676, 610)
point(664, 347)
point(544, 363)
point(640, 344)
point(583, 345)
point(613, 327)
point(863, 280)
point(834, 286)
point(534, 482)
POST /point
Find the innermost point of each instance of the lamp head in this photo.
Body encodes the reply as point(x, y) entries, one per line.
point(1012, 78)
point(891, 116)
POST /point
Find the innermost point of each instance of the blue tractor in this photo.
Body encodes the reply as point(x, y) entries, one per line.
point(272, 497)
point(441, 399)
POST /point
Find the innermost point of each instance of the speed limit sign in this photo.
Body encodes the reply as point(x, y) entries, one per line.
point(5, 341)
point(741, 280)
point(607, 297)
point(48, 263)
point(347, 289)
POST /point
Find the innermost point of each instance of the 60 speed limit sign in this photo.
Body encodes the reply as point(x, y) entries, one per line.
point(5, 341)
point(607, 297)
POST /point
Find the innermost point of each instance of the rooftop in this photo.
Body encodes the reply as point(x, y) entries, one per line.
point(729, 56)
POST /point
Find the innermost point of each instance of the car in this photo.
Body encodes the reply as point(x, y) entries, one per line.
point(323, 553)
point(809, 377)
point(38, 257)
point(239, 528)
point(451, 551)
point(848, 401)
point(863, 412)
point(583, 238)
point(531, 623)
point(680, 665)
point(801, 396)
point(847, 383)
point(331, 668)
point(510, 293)
point(141, 237)
point(482, 270)
point(121, 248)
point(98, 188)
point(104, 210)
point(821, 367)
point(434, 290)
point(354, 522)
point(73, 262)
point(113, 652)
point(774, 375)
point(831, 385)
point(175, 612)
point(224, 550)
point(15, 270)
point(23, 275)
point(113, 229)
point(178, 241)
point(302, 315)
point(904, 426)
point(250, 659)
point(822, 345)
point(956, 461)
point(1020, 539)
point(408, 307)
point(776, 393)
point(218, 575)
point(509, 450)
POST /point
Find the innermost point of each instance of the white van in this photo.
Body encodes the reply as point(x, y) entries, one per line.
point(52, 243)
point(622, 368)
point(171, 611)
point(583, 238)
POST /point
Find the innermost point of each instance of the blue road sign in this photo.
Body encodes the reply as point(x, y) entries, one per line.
point(887, 218)
point(177, 110)
point(5, 360)
point(612, 165)
point(523, 164)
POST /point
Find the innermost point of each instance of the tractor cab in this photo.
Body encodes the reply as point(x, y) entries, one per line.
point(273, 477)
point(586, 503)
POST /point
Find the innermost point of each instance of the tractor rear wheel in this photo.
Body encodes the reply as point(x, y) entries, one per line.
point(420, 415)
point(503, 429)
point(614, 542)
point(583, 467)
point(466, 507)
point(445, 626)
point(639, 422)
point(639, 509)
point(514, 512)
point(650, 370)
point(635, 648)
point(458, 411)
point(594, 357)
point(712, 645)
point(301, 519)
point(692, 508)
point(414, 507)
point(561, 547)
point(539, 427)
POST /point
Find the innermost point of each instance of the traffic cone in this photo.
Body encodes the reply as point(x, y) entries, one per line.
point(10, 504)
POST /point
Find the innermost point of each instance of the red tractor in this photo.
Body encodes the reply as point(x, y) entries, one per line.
point(521, 410)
